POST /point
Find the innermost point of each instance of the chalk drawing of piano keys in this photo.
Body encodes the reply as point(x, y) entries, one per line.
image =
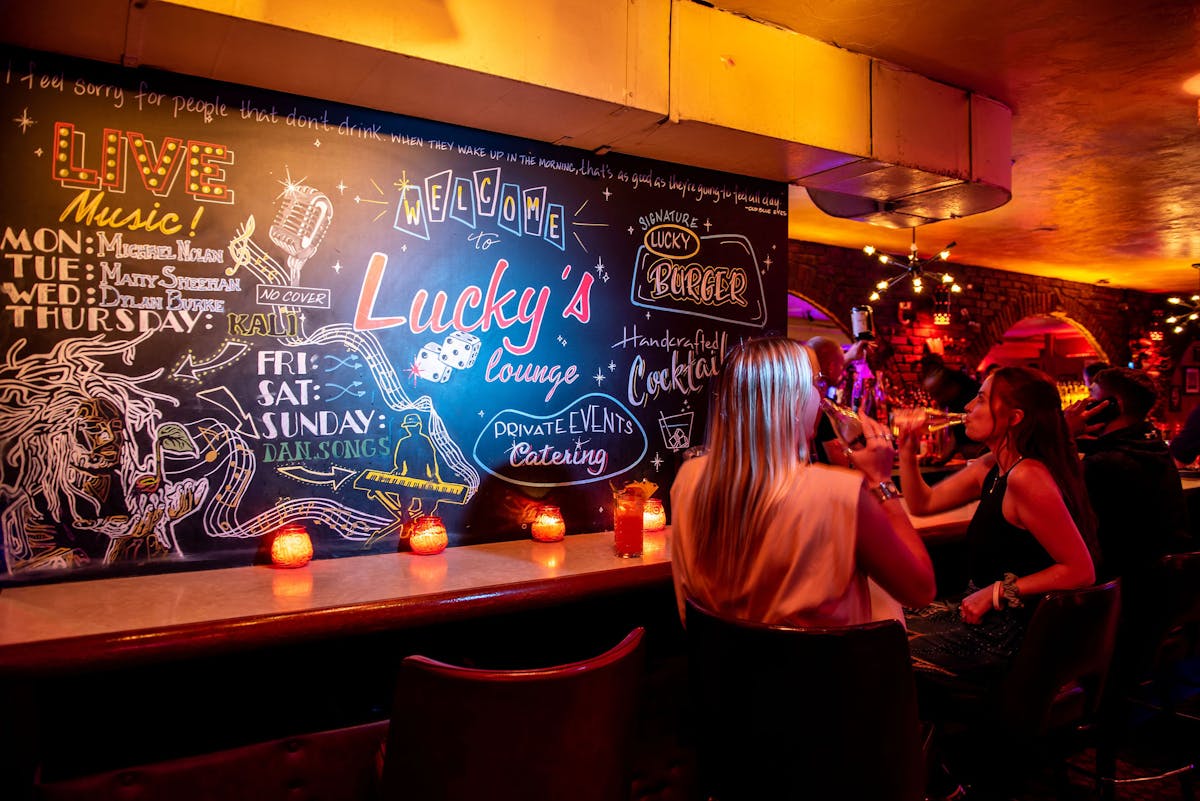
point(414, 486)
point(676, 430)
point(435, 362)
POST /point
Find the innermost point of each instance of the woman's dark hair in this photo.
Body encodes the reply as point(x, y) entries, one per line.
point(1042, 434)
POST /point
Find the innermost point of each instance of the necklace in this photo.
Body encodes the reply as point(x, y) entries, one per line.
point(1002, 474)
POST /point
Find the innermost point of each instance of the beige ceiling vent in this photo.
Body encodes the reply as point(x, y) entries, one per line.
point(869, 140)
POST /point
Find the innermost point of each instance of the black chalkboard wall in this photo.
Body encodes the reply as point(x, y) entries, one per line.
point(227, 310)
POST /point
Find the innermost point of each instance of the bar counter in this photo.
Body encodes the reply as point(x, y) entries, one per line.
point(170, 615)
point(176, 614)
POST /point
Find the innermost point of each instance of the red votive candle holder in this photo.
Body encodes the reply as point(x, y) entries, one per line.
point(548, 525)
point(291, 547)
point(654, 517)
point(427, 535)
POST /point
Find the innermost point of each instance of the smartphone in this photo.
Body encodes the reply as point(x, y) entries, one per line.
point(1107, 414)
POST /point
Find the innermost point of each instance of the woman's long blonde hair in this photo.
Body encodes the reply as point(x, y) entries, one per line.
point(757, 439)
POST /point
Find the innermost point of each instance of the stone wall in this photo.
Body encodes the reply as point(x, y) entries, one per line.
point(992, 301)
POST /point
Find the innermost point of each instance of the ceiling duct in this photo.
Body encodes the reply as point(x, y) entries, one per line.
point(869, 141)
point(672, 80)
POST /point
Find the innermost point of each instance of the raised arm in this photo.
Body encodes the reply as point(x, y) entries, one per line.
point(886, 546)
point(949, 493)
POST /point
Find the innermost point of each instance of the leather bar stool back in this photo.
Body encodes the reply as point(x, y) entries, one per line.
point(562, 732)
point(803, 713)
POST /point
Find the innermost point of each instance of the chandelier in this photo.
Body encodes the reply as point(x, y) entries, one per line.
point(916, 269)
point(1185, 311)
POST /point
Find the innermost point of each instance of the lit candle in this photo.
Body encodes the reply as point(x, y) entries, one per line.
point(548, 524)
point(291, 547)
point(654, 517)
point(427, 535)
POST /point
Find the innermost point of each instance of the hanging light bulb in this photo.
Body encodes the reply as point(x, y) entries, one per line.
point(1181, 318)
point(912, 266)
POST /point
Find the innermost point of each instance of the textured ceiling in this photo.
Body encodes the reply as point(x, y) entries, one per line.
point(1106, 146)
point(1105, 140)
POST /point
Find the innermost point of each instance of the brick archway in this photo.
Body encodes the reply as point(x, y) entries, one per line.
point(1044, 304)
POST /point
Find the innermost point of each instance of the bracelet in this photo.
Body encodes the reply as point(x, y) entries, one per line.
point(996, 596)
point(1012, 596)
point(886, 491)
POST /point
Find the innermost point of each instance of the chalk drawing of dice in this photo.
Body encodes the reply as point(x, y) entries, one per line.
point(430, 366)
point(459, 350)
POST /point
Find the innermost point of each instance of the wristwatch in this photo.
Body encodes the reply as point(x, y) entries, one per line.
point(885, 491)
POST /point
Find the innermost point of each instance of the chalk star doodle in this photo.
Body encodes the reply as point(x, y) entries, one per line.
point(606, 193)
point(317, 143)
point(337, 266)
point(24, 121)
point(350, 390)
point(38, 152)
point(599, 267)
point(707, 225)
point(630, 230)
point(647, 315)
point(612, 366)
point(767, 261)
point(580, 442)
point(562, 340)
point(481, 412)
point(599, 377)
point(414, 371)
point(657, 461)
point(290, 187)
point(341, 187)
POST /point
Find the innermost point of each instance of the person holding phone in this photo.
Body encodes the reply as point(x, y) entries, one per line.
point(1132, 481)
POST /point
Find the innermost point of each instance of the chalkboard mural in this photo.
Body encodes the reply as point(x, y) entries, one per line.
point(226, 310)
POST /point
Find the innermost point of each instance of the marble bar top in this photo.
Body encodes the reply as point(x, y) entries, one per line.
point(110, 621)
point(170, 615)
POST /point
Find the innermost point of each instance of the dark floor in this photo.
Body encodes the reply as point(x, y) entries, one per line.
point(1155, 744)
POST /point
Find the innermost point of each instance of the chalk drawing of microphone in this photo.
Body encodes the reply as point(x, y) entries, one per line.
point(300, 225)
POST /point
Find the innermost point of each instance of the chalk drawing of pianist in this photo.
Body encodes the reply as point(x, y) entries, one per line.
point(74, 488)
point(416, 458)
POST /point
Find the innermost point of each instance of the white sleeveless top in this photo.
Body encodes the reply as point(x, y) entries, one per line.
point(805, 572)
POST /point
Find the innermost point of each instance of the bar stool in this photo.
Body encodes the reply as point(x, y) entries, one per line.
point(562, 732)
point(331, 765)
point(1051, 691)
point(788, 713)
point(1156, 638)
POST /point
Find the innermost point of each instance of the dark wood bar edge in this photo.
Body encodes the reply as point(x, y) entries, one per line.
point(214, 637)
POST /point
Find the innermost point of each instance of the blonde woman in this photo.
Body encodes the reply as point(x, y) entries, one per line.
point(760, 534)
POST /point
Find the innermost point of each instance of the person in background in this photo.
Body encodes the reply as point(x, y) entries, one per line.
point(1131, 479)
point(1185, 446)
point(952, 390)
point(831, 363)
point(761, 534)
point(1089, 375)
